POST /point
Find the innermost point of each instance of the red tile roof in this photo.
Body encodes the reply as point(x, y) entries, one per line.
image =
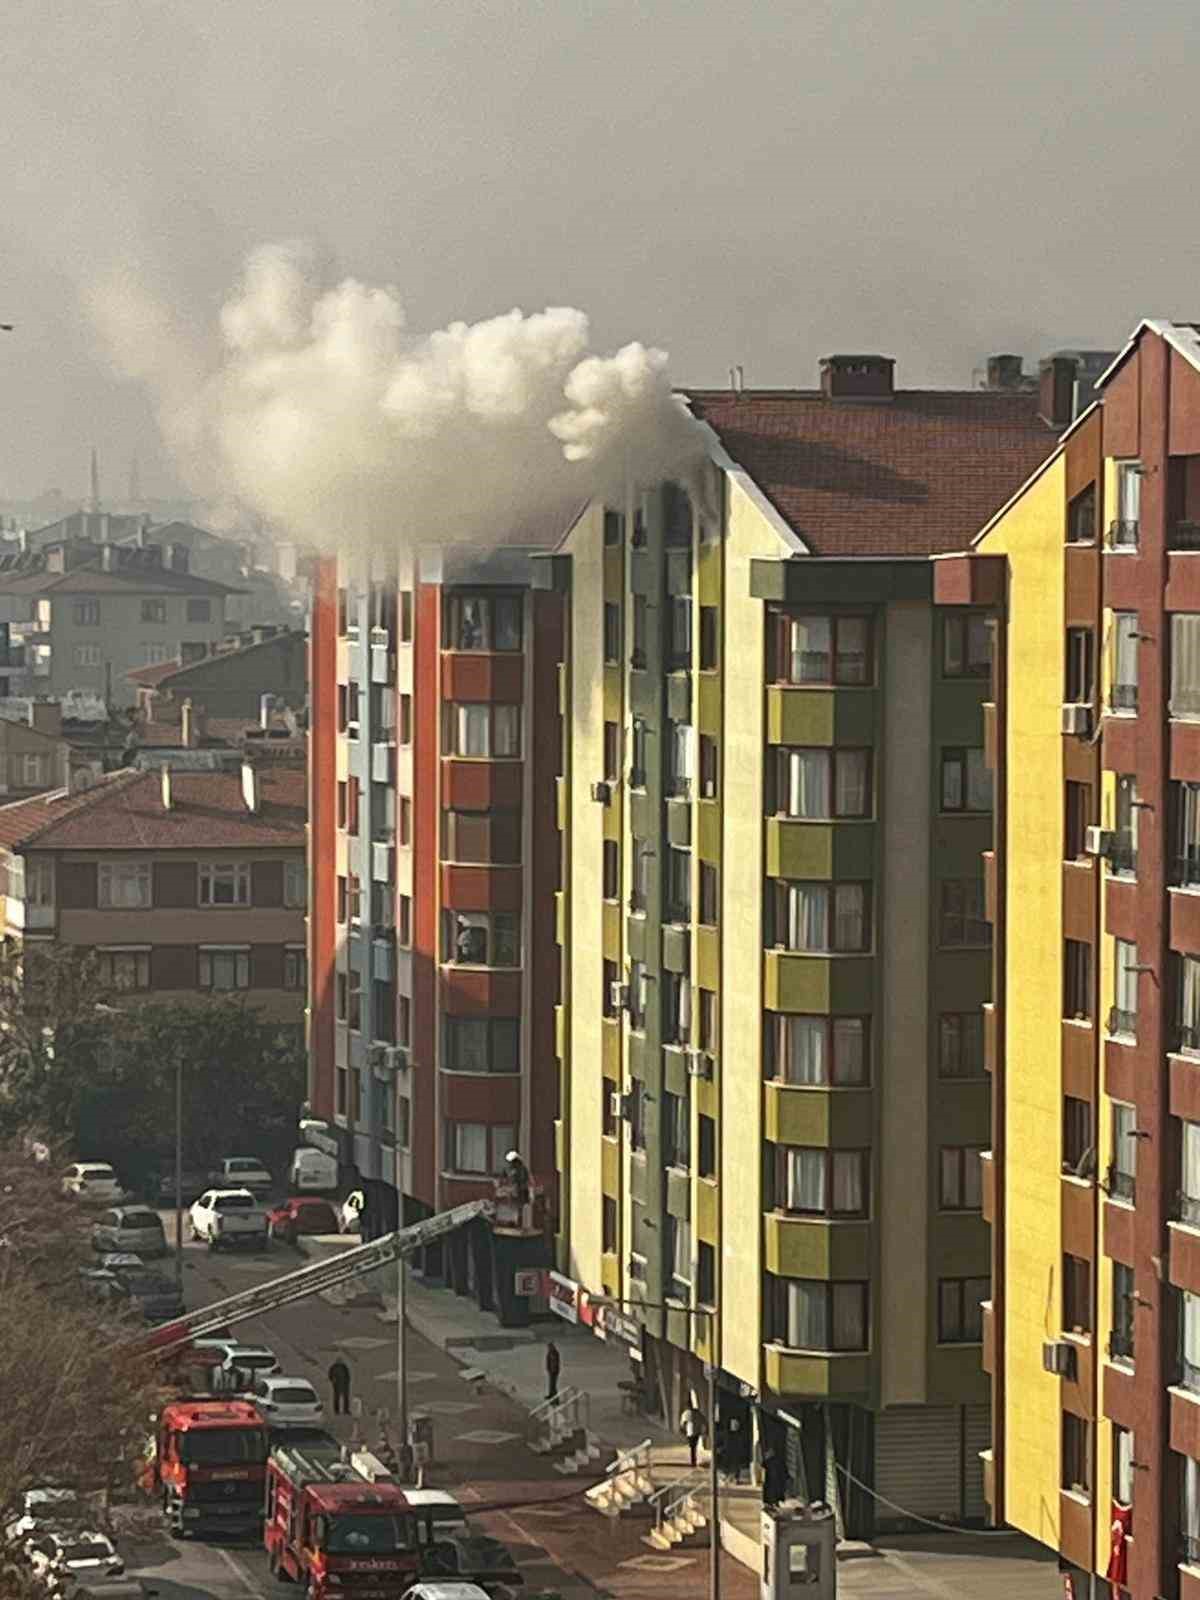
point(910, 476)
point(149, 676)
point(125, 812)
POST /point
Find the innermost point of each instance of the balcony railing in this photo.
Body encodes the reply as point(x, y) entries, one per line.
point(1122, 1022)
point(1189, 1375)
point(1123, 533)
point(1185, 869)
point(1185, 536)
point(1124, 697)
point(1189, 1037)
point(1188, 1207)
point(1189, 1548)
point(1122, 855)
point(1121, 1185)
point(1120, 1345)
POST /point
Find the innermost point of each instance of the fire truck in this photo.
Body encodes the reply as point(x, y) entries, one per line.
point(335, 1520)
point(208, 1464)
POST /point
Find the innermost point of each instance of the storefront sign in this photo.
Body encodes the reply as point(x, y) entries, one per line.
point(528, 1281)
point(563, 1296)
point(615, 1324)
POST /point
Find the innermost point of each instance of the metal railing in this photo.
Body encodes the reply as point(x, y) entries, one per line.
point(1123, 533)
point(1189, 1375)
point(1122, 854)
point(1186, 868)
point(668, 1500)
point(1188, 1206)
point(1189, 1036)
point(1123, 697)
point(636, 1459)
point(1121, 1185)
point(1120, 1345)
point(561, 1414)
point(1189, 1548)
point(1184, 536)
point(1122, 1022)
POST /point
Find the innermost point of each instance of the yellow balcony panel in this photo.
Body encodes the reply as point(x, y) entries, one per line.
point(707, 950)
point(708, 703)
point(560, 1032)
point(610, 1049)
point(610, 1167)
point(820, 716)
point(559, 1146)
point(564, 692)
point(987, 1171)
point(611, 925)
point(612, 695)
point(614, 573)
point(817, 1377)
point(708, 830)
point(797, 849)
point(795, 1114)
point(560, 918)
point(610, 1273)
point(708, 574)
point(561, 799)
point(794, 981)
point(707, 1211)
point(812, 1247)
point(614, 817)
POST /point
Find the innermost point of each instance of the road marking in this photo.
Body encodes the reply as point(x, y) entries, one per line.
point(482, 1435)
point(656, 1563)
point(359, 1343)
point(239, 1573)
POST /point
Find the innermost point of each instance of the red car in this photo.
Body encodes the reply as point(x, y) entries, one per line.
point(301, 1214)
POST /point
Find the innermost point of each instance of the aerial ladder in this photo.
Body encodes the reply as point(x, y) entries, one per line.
point(309, 1280)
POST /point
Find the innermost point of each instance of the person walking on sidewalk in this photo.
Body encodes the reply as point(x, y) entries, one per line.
point(339, 1378)
point(553, 1368)
point(691, 1425)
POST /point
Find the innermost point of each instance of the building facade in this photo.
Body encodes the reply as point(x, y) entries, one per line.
point(1092, 1183)
point(433, 746)
point(772, 930)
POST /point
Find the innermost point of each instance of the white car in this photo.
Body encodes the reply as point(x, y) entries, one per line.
point(93, 1182)
point(238, 1364)
point(43, 1508)
point(243, 1172)
point(74, 1554)
point(228, 1216)
point(287, 1402)
point(438, 1514)
point(350, 1212)
point(443, 1589)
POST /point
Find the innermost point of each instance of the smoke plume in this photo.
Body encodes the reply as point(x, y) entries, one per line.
point(320, 410)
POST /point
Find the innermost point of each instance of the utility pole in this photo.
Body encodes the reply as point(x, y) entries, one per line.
point(714, 1479)
point(179, 1168)
point(401, 1364)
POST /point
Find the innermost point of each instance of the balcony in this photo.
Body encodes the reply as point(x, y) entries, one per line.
point(805, 1375)
point(383, 762)
point(823, 850)
point(1184, 536)
point(1123, 534)
point(1123, 697)
point(1122, 1024)
point(816, 1247)
point(383, 863)
point(1121, 1185)
point(797, 1114)
point(795, 981)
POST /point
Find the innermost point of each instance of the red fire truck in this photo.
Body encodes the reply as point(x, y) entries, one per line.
point(330, 1525)
point(208, 1463)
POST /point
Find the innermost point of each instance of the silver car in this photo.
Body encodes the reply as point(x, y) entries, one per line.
point(130, 1228)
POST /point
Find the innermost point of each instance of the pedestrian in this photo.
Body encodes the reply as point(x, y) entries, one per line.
point(774, 1477)
point(518, 1176)
point(553, 1368)
point(339, 1378)
point(692, 1425)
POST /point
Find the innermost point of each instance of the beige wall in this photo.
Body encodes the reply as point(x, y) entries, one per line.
point(121, 636)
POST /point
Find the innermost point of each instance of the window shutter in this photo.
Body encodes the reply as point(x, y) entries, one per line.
point(174, 883)
point(266, 966)
point(173, 966)
point(266, 883)
point(77, 885)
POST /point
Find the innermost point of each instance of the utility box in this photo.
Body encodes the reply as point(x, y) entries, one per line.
point(799, 1551)
point(420, 1438)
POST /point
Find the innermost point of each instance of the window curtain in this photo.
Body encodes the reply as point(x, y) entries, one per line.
point(851, 783)
point(1126, 978)
point(979, 782)
point(807, 916)
point(805, 1180)
point(812, 641)
point(1185, 665)
point(807, 1315)
point(850, 917)
point(807, 790)
point(471, 1147)
point(803, 1056)
point(848, 1181)
point(1125, 659)
point(849, 1050)
point(1191, 1160)
point(853, 639)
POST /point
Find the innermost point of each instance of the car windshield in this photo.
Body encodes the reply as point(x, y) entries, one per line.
point(87, 1550)
point(294, 1396)
point(241, 1164)
point(223, 1446)
point(257, 1361)
point(368, 1533)
point(138, 1221)
point(233, 1202)
point(97, 1174)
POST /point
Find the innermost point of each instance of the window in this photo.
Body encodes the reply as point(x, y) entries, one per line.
point(343, 898)
point(1125, 527)
point(612, 631)
point(680, 746)
point(966, 645)
point(609, 1118)
point(677, 1130)
point(482, 1044)
point(637, 1115)
point(706, 1142)
point(709, 767)
point(154, 610)
point(638, 537)
point(706, 1274)
point(677, 1008)
point(356, 1095)
point(478, 1147)
point(403, 1019)
point(612, 752)
point(1189, 1376)
point(1122, 1464)
point(1189, 1182)
point(637, 654)
point(1187, 833)
point(226, 967)
point(1078, 816)
point(224, 883)
point(476, 622)
point(960, 1044)
point(960, 1309)
point(482, 836)
point(822, 917)
point(637, 994)
point(481, 938)
point(481, 730)
point(406, 616)
point(962, 924)
point(643, 857)
point(966, 781)
point(32, 771)
point(124, 885)
point(295, 967)
point(353, 806)
point(199, 610)
point(637, 755)
point(679, 885)
point(815, 784)
point(354, 1000)
point(679, 654)
point(614, 527)
point(709, 637)
point(1125, 661)
point(87, 655)
point(1122, 1019)
point(1079, 1156)
point(154, 655)
point(1185, 665)
point(817, 1051)
point(1121, 1335)
point(1077, 1294)
point(709, 894)
point(810, 1314)
point(39, 881)
point(350, 703)
point(1122, 1174)
point(86, 613)
point(383, 1011)
point(610, 1234)
point(822, 1183)
point(677, 1241)
point(1081, 517)
point(822, 649)
point(123, 969)
point(1123, 853)
point(960, 1179)
point(612, 870)
point(706, 1023)
point(341, 1091)
point(1077, 980)
point(1079, 687)
point(295, 885)
point(405, 724)
point(1076, 1475)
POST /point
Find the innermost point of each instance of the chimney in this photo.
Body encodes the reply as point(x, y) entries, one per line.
point(266, 704)
point(1004, 372)
point(45, 716)
point(167, 799)
point(1056, 390)
point(193, 725)
point(251, 792)
point(858, 377)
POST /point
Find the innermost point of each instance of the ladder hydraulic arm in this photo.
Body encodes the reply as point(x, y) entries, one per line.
point(309, 1280)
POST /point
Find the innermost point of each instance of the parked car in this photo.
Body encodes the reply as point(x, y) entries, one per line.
point(443, 1589)
point(94, 1183)
point(302, 1215)
point(237, 1365)
point(74, 1555)
point(121, 1261)
point(287, 1402)
point(312, 1171)
point(134, 1228)
point(45, 1507)
point(350, 1215)
point(474, 1558)
point(192, 1184)
point(439, 1515)
point(242, 1172)
point(229, 1216)
point(151, 1294)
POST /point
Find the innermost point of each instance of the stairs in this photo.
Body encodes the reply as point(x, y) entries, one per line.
point(627, 1482)
point(678, 1512)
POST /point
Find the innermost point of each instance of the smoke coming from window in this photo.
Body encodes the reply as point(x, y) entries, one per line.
point(318, 408)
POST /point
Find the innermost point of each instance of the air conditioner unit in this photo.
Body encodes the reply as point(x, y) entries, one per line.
point(602, 792)
point(618, 996)
point(1077, 719)
point(700, 1065)
point(1058, 1356)
point(1098, 841)
point(398, 1057)
point(377, 1055)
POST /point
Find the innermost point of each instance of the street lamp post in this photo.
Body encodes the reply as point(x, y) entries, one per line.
point(401, 1364)
point(179, 1169)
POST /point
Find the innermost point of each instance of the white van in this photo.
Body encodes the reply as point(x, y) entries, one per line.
point(312, 1172)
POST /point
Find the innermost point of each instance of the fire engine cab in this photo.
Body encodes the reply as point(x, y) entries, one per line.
point(208, 1462)
point(330, 1522)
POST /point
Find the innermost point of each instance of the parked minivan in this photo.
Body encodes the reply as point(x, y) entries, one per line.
point(312, 1172)
point(133, 1228)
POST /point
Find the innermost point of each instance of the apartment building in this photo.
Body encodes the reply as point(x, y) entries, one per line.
point(772, 930)
point(1092, 1183)
point(185, 884)
point(433, 747)
point(228, 677)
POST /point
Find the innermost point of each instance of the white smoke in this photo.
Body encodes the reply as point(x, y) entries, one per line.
point(322, 412)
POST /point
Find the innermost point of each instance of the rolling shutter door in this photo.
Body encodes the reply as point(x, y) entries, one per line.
point(977, 1436)
point(918, 1463)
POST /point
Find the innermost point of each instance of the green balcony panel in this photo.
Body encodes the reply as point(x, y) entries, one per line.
point(614, 572)
point(844, 985)
point(708, 958)
point(637, 1058)
point(676, 948)
point(560, 918)
point(679, 823)
point(635, 938)
point(679, 1329)
point(638, 1187)
point(960, 1244)
point(810, 1247)
point(708, 830)
point(820, 849)
point(612, 694)
point(955, 1375)
point(642, 575)
point(560, 1146)
point(803, 1376)
point(611, 924)
point(560, 1032)
point(679, 1193)
point(708, 1213)
point(958, 843)
point(841, 1118)
point(820, 716)
point(643, 818)
point(708, 703)
point(679, 572)
point(964, 974)
point(645, 691)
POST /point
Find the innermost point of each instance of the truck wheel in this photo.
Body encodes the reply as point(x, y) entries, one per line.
point(212, 1241)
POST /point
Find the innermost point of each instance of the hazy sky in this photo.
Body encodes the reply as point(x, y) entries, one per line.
point(754, 183)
